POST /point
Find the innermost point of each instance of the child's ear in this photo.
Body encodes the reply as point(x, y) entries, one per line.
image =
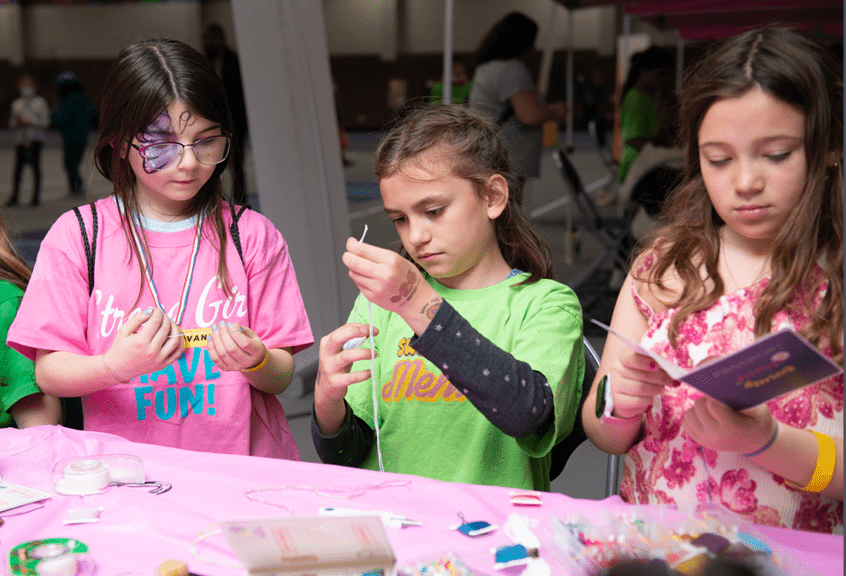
point(123, 149)
point(497, 195)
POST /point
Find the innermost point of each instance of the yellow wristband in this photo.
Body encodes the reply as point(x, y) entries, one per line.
point(826, 459)
point(260, 364)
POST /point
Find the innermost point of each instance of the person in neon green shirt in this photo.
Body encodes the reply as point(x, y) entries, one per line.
point(639, 111)
point(460, 85)
point(22, 403)
point(479, 359)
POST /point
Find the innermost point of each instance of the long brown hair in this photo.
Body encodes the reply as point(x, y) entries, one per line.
point(13, 268)
point(799, 71)
point(144, 80)
point(476, 152)
point(511, 36)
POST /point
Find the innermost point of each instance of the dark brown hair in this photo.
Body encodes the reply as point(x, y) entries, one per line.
point(144, 80)
point(13, 268)
point(476, 152)
point(653, 58)
point(512, 35)
point(803, 73)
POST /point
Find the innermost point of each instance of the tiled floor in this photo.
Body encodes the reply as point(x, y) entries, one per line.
point(584, 476)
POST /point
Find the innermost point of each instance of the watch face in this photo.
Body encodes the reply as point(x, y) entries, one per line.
point(600, 396)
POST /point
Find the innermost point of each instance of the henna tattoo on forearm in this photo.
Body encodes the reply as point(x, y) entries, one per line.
point(431, 308)
point(407, 288)
point(411, 294)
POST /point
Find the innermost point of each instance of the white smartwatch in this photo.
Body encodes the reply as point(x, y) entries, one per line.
point(604, 399)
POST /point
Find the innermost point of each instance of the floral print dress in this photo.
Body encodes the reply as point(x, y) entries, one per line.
point(665, 466)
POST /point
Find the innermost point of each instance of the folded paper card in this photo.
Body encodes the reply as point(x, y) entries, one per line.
point(12, 496)
point(773, 365)
point(306, 545)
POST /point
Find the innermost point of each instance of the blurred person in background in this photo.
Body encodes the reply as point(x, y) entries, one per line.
point(460, 85)
point(639, 113)
point(29, 117)
point(72, 117)
point(503, 89)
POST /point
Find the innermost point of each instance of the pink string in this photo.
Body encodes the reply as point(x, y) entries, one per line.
point(38, 506)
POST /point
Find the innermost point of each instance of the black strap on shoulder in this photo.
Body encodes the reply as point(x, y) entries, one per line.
point(233, 229)
point(90, 248)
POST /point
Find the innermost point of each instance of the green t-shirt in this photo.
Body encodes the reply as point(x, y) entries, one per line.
point(429, 428)
point(638, 119)
point(17, 372)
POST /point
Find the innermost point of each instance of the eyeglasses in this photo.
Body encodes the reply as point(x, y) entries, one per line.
point(163, 155)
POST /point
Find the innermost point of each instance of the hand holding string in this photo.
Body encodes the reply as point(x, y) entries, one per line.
point(142, 345)
point(384, 277)
point(329, 405)
point(233, 347)
point(333, 374)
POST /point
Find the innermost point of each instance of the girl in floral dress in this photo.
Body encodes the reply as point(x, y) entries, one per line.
point(752, 242)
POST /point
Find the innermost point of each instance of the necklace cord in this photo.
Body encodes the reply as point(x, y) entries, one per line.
point(737, 285)
point(186, 285)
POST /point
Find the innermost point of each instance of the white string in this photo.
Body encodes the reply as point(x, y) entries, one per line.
point(360, 240)
point(325, 492)
point(213, 530)
point(372, 369)
point(356, 342)
point(375, 398)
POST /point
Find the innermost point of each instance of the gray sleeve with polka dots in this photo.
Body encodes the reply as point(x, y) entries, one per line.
point(511, 395)
point(349, 447)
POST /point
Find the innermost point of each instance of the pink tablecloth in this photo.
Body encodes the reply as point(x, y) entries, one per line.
point(138, 530)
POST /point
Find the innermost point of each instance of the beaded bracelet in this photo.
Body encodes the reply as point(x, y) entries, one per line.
point(260, 364)
point(766, 446)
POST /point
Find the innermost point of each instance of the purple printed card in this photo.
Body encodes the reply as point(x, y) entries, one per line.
point(771, 366)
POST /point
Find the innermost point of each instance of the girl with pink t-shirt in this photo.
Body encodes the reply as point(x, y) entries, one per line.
point(752, 242)
point(172, 313)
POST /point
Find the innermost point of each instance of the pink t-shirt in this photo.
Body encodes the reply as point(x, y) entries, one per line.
point(667, 467)
point(191, 403)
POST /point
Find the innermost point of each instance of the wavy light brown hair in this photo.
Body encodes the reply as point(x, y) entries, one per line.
point(144, 80)
point(13, 268)
point(805, 74)
point(476, 153)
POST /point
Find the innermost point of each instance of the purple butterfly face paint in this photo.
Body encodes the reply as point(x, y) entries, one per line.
point(159, 132)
